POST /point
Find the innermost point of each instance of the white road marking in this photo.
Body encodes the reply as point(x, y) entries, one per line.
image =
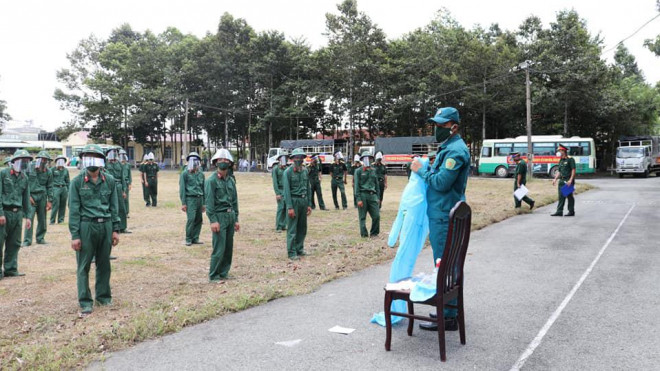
point(544, 330)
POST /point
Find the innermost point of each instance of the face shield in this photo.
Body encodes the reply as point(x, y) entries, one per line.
point(92, 163)
point(366, 161)
point(111, 155)
point(283, 160)
point(60, 162)
point(20, 164)
point(40, 163)
point(193, 164)
point(123, 157)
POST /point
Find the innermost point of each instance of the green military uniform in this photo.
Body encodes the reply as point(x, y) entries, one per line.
point(381, 173)
point(116, 169)
point(15, 196)
point(338, 172)
point(151, 174)
point(60, 194)
point(367, 191)
point(351, 170)
point(93, 217)
point(566, 167)
point(191, 193)
point(221, 207)
point(145, 192)
point(297, 195)
point(41, 192)
point(128, 180)
point(278, 187)
point(521, 169)
point(314, 170)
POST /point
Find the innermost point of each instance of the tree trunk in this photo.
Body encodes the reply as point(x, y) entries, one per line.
point(566, 118)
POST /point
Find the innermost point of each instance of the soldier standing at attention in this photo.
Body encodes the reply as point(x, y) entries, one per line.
point(297, 194)
point(94, 226)
point(128, 177)
point(356, 165)
point(520, 179)
point(116, 169)
point(566, 176)
point(381, 172)
point(191, 193)
point(278, 187)
point(150, 177)
point(15, 199)
point(222, 210)
point(61, 190)
point(447, 181)
point(338, 172)
point(314, 169)
point(145, 192)
point(367, 193)
point(41, 198)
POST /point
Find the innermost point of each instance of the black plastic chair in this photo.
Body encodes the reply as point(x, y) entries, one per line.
point(449, 281)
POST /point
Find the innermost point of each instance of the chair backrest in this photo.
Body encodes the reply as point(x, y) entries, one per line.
point(450, 273)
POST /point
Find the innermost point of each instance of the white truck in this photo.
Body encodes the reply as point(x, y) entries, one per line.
point(638, 155)
point(325, 148)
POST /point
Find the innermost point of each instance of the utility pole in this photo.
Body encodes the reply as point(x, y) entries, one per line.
point(528, 97)
point(184, 142)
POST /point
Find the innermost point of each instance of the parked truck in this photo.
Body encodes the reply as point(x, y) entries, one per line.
point(325, 148)
point(397, 151)
point(638, 155)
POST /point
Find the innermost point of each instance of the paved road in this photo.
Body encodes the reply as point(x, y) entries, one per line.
point(518, 273)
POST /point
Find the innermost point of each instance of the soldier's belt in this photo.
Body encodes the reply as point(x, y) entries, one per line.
point(59, 186)
point(370, 192)
point(298, 196)
point(95, 220)
point(381, 179)
point(12, 209)
point(226, 211)
point(338, 177)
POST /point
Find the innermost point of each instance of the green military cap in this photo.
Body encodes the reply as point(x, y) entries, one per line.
point(21, 153)
point(514, 154)
point(7, 160)
point(283, 153)
point(44, 154)
point(92, 149)
point(122, 151)
point(366, 153)
point(193, 154)
point(61, 157)
point(562, 147)
point(298, 152)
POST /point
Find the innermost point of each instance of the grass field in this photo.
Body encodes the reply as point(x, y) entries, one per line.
point(160, 286)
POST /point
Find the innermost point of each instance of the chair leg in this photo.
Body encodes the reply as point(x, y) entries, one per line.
point(411, 321)
point(388, 320)
point(441, 333)
point(461, 317)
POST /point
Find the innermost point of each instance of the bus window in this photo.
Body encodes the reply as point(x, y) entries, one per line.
point(502, 149)
point(486, 152)
point(543, 149)
point(586, 148)
point(521, 148)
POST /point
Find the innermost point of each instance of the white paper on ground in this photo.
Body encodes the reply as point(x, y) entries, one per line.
point(341, 330)
point(290, 343)
point(521, 192)
point(402, 285)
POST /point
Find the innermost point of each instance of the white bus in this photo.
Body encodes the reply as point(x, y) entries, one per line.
point(495, 154)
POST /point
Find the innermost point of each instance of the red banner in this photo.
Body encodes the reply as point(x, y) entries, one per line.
point(537, 159)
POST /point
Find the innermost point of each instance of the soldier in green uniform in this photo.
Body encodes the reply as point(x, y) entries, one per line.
point(565, 176)
point(447, 181)
point(128, 178)
point(116, 169)
point(278, 187)
point(407, 166)
point(222, 210)
point(145, 192)
point(297, 195)
point(356, 165)
point(191, 193)
point(381, 172)
point(41, 198)
point(338, 172)
point(367, 192)
point(150, 177)
point(15, 196)
point(520, 179)
point(60, 190)
point(94, 226)
point(315, 174)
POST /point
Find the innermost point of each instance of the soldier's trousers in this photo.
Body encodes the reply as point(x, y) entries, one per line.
point(152, 191)
point(58, 211)
point(122, 209)
point(517, 203)
point(145, 194)
point(280, 216)
point(370, 204)
point(193, 218)
point(10, 242)
point(223, 247)
point(316, 189)
point(381, 185)
point(126, 201)
point(39, 208)
point(562, 200)
point(438, 228)
point(338, 183)
point(297, 228)
point(96, 241)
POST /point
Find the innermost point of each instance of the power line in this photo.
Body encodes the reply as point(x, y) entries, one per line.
point(631, 35)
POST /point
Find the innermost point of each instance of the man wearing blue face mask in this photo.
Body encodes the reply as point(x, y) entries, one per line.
point(446, 180)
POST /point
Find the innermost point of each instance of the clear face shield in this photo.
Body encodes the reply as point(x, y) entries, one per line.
point(111, 155)
point(123, 157)
point(283, 160)
point(366, 161)
point(60, 162)
point(20, 165)
point(40, 163)
point(92, 163)
point(193, 164)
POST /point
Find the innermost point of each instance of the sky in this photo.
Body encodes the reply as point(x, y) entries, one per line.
point(35, 36)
